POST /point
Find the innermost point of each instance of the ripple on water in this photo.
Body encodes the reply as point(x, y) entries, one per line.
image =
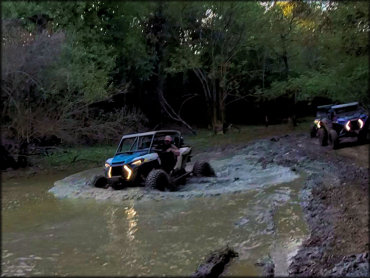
point(236, 174)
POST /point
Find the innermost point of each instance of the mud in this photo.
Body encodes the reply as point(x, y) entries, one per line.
point(335, 202)
point(334, 196)
point(216, 263)
point(267, 266)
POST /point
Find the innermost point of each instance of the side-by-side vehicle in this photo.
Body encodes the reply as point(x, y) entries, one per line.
point(140, 160)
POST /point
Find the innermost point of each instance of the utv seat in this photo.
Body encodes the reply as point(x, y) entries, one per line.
point(180, 159)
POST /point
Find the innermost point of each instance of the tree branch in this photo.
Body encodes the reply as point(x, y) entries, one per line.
point(186, 100)
point(237, 99)
point(204, 82)
point(171, 113)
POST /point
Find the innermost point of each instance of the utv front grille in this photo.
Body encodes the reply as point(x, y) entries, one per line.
point(355, 125)
point(116, 171)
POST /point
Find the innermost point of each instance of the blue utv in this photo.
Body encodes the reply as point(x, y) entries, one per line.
point(140, 160)
point(345, 120)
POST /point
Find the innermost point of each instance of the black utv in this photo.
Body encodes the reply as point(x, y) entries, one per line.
point(345, 120)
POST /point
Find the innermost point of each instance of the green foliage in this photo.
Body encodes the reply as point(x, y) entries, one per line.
point(326, 54)
point(85, 51)
point(66, 157)
point(81, 73)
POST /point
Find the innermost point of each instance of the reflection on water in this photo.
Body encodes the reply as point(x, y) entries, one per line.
point(152, 238)
point(132, 222)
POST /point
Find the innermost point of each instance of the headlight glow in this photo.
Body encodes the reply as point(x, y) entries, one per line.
point(347, 126)
point(128, 170)
point(361, 123)
point(318, 124)
point(110, 172)
point(137, 162)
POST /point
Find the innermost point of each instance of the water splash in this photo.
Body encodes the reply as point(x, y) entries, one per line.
point(236, 174)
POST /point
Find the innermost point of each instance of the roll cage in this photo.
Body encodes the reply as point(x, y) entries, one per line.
point(147, 141)
point(321, 111)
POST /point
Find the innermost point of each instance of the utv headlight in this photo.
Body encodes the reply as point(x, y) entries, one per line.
point(348, 126)
point(361, 123)
point(108, 170)
point(137, 162)
point(128, 171)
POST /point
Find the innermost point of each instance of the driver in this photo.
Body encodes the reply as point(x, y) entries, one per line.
point(169, 147)
point(169, 153)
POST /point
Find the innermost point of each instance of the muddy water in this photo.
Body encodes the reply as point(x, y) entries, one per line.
point(253, 209)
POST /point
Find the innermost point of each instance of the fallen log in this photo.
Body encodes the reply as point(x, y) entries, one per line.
point(215, 263)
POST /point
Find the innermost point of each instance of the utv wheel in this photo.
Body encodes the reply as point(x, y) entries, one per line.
point(157, 179)
point(179, 173)
point(333, 139)
point(100, 182)
point(118, 185)
point(313, 131)
point(362, 136)
point(203, 169)
point(323, 137)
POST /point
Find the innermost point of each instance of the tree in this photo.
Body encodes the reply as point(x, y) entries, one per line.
point(24, 96)
point(327, 56)
point(65, 77)
point(210, 42)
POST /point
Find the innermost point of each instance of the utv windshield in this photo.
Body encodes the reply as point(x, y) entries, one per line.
point(133, 144)
point(347, 109)
point(323, 110)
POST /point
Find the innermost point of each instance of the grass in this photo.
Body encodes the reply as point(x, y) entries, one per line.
point(205, 139)
point(91, 156)
point(84, 157)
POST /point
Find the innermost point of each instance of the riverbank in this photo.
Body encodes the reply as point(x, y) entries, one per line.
point(334, 197)
point(79, 158)
point(335, 203)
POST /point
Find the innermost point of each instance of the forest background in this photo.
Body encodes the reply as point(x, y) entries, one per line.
point(87, 72)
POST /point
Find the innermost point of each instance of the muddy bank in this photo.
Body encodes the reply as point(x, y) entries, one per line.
point(335, 203)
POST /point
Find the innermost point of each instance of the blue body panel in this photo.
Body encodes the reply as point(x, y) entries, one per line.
point(350, 117)
point(125, 158)
point(344, 119)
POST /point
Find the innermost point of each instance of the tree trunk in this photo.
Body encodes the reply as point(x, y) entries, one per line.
point(217, 123)
point(214, 97)
point(218, 116)
point(294, 117)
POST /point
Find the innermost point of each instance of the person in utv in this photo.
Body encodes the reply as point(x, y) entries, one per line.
point(169, 147)
point(171, 152)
